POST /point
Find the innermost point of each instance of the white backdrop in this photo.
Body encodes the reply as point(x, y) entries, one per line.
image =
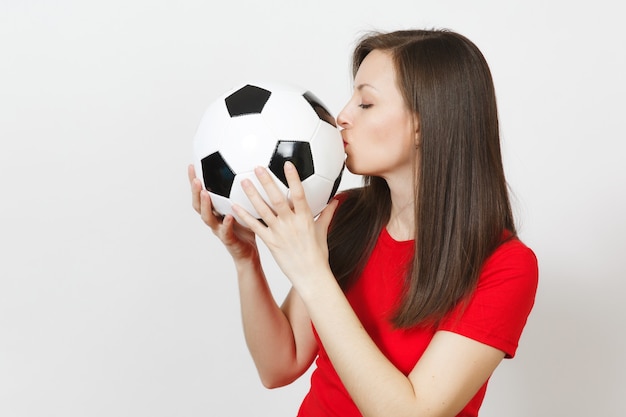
point(115, 300)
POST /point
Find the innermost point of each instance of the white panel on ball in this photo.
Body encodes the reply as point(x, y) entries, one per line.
point(328, 152)
point(248, 142)
point(214, 121)
point(221, 204)
point(290, 117)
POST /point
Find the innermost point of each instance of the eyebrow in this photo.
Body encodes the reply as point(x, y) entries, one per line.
point(361, 86)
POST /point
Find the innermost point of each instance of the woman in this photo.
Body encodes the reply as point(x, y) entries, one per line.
point(410, 290)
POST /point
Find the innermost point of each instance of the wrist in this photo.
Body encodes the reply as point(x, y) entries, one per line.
point(250, 260)
point(249, 267)
point(316, 286)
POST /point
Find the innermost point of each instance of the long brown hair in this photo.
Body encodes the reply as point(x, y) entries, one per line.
point(462, 206)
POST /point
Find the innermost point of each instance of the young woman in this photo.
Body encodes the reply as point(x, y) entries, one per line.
point(409, 291)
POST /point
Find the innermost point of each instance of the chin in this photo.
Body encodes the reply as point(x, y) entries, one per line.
point(351, 168)
point(355, 169)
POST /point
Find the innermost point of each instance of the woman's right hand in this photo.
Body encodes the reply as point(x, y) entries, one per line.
point(239, 240)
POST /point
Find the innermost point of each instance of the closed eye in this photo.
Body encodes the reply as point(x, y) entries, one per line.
point(365, 106)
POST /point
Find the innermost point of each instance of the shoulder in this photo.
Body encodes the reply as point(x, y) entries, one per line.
point(509, 278)
point(512, 260)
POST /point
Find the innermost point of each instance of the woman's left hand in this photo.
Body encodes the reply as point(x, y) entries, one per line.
point(295, 239)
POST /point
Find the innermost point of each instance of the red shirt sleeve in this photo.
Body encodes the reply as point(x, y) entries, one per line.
point(496, 312)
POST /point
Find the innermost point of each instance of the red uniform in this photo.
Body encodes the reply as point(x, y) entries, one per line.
point(495, 315)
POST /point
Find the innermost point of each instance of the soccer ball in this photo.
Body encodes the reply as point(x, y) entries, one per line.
point(266, 124)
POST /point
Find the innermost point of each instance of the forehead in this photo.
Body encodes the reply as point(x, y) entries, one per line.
point(377, 70)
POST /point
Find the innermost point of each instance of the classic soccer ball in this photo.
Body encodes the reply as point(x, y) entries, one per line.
point(266, 124)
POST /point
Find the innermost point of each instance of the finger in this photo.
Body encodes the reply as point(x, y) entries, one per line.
point(249, 220)
point(277, 199)
point(206, 210)
point(296, 190)
point(196, 187)
point(326, 216)
point(191, 172)
point(229, 229)
point(265, 212)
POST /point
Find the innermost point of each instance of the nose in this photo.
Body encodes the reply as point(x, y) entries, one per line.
point(343, 119)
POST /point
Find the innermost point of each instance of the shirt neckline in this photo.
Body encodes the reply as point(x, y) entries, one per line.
point(388, 239)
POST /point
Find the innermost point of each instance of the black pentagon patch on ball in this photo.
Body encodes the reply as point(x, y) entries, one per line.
point(249, 99)
point(298, 153)
point(320, 109)
point(217, 175)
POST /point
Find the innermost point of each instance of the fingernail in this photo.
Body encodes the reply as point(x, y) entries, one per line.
point(260, 171)
point(289, 166)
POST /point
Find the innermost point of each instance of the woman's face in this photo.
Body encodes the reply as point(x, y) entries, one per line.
point(379, 131)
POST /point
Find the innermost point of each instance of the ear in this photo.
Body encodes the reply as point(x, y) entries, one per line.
point(416, 128)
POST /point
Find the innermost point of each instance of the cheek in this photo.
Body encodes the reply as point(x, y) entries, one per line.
point(395, 122)
point(383, 131)
point(398, 133)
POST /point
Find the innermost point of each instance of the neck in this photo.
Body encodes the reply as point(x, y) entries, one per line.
point(401, 224)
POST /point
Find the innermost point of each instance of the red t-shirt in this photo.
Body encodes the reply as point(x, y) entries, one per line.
point(495, 315)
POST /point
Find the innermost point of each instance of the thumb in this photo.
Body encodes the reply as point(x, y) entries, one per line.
point(326, 216)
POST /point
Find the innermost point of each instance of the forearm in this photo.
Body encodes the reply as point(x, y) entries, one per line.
point(267, 331)
point(377, 387)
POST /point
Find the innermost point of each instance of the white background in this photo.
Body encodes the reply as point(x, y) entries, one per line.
point(115, 300)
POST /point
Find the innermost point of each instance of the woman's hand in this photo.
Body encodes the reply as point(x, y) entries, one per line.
point(296, 240)
point(239, 241)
